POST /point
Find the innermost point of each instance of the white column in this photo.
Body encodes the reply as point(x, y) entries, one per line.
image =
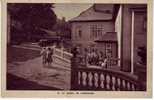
point(132, 44)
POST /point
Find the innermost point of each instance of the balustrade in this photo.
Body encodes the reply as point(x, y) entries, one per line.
point(104, 79)
point(87, 78)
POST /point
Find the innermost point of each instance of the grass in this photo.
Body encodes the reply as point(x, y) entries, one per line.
point(19, 54)
point(18, 83)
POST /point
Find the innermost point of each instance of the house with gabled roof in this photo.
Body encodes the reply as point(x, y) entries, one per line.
point(95, 27)
point(119, 30)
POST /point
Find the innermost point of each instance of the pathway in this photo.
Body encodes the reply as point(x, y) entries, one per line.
point(55, 76)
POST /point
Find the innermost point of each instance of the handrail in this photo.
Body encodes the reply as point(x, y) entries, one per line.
point(113, 80)
point(119, 74)
point(62, 54)
point(62, 57)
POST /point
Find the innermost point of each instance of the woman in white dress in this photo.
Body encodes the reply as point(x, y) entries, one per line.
point(104, 63)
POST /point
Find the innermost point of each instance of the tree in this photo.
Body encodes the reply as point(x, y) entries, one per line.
point(63, 28)
point(33, 16)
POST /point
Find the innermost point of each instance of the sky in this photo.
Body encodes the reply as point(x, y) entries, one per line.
point(69, 11)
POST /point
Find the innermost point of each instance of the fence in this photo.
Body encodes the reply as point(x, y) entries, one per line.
point(62, 57)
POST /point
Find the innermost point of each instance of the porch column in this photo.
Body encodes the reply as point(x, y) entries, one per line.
point(132, 44)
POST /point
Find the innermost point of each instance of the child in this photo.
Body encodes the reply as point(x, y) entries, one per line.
point(49, 53)
point(43, 53)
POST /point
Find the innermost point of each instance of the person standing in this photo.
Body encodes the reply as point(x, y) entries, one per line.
point(89, 56)
point(101, 59)
point(93, 59)
point(43, 54)
point(49, 54)
point(85, 56)
point(97, 57)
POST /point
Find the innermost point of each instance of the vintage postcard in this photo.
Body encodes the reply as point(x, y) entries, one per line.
point(96, 49)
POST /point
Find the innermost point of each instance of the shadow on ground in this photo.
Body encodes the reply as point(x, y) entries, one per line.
point(17, 83)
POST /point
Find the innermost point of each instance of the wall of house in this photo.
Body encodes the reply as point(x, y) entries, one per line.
point(86, 38)
point(118, 30)
point(140, 35)
point(126, 35)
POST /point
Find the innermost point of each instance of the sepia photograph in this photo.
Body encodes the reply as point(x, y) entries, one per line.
point(76, 47)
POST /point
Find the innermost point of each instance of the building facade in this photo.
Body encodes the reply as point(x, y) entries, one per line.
point(125, 26)
point(89, 28)
point(131, 28)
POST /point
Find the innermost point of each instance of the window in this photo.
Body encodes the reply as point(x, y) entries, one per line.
point(80, 33)
point(108, 49)
point(96, 31)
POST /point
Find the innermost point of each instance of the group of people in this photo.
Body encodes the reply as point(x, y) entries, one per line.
point(47, 54)
point(92, 57)
point(96, 57)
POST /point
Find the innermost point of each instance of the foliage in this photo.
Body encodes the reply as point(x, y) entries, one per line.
point(32, 17)
point(143, 55)
point(63, 28)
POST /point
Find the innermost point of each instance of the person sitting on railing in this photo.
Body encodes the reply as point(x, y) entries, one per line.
point(104, 63)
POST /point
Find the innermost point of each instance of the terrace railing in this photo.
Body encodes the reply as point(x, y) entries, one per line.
point(83, 78)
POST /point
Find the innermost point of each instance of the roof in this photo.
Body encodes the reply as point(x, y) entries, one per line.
point(49, 32)
point(95, 13)
point(108, 37)
point(105, 8)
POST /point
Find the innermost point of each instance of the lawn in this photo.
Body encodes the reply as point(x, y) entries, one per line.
point(19, 54)
point(18, 83)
